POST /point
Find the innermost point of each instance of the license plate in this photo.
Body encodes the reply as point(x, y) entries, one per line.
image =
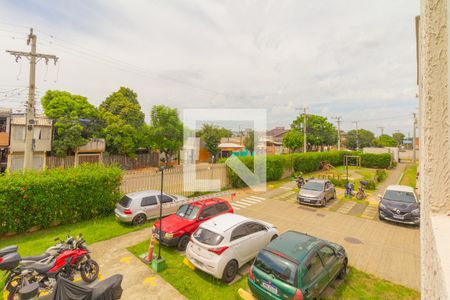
point(306, 200)
point(268, 286)
point(398, 217)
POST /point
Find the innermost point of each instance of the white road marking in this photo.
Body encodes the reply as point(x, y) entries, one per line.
point(235, 208)
point(256, 197)
point(243, 203)
point(241, 206)
point(251, 201)
point(285, 188)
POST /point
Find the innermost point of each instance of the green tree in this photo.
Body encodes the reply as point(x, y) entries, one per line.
point(166, 130)
point(385, 141)
point(365, 138)
point(211, 136)
point(293, 140)
point(124, 104)
point(120, 137)
point(249, 141)
point(319, 132)
point(67, 110)
point(399, 137)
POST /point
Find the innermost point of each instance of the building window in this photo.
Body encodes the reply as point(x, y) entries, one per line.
point(19, 133)
point(3, 124)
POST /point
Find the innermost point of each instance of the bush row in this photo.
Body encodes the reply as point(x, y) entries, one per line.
point(305, 163)
point(57, 196)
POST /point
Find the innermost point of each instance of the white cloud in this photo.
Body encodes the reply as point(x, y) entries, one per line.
point(352, 58)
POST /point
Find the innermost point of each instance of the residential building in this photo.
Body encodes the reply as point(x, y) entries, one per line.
point(42, 141)
point(5, 125)
point(434, 134)
point(276, 134)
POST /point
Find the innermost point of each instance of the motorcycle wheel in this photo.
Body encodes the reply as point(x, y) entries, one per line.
point(89, 270)
point(13, 293)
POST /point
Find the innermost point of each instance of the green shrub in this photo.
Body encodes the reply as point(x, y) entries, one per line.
point(370, 160)
point(371, 185)
point(338, 182)
point(380, 175)
point(57, 196)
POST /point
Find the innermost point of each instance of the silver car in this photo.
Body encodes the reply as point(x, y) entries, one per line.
point(137, 208)
point(316, 192)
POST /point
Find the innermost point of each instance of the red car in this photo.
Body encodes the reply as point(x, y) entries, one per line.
point(177, 228)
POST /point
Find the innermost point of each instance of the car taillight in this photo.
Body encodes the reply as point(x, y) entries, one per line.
point(1, 260)
point(127, 211)
point(218, 250)
point(250, 274)
point(298, 295)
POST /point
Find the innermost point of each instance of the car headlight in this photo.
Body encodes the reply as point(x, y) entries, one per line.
point(416, 211)
point(168, 235)
point(382, 206)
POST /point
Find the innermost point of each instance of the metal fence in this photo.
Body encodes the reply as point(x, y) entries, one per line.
point(134, 181)
point(140, 161)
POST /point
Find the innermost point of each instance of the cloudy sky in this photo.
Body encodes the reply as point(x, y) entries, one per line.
point(349, 58)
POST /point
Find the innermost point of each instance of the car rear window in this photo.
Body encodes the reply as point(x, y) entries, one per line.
point(125, 201)
point(399, 196)
point(313, 186)
point(207, 237)
point(270, 263)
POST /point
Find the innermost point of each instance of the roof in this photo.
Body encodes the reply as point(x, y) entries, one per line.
point(294, 244)
point(208, 201)
point(40, 120)
point(230, 145)
point(277, 131)
point(224, 222)
point(400, 188)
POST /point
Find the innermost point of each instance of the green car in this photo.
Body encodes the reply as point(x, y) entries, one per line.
point(296, 266)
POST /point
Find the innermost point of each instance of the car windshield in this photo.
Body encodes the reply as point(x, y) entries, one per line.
point(276, 265)
point(399, 196)
point(188, 211)
point(125, 201)
point(313, 186)
point(207, 237)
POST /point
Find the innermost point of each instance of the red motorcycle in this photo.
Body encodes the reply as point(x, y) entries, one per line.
point(66, 265)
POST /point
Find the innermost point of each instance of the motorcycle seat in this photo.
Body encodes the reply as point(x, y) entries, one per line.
point(40, 267)
point(36, 258)
point(7, 250)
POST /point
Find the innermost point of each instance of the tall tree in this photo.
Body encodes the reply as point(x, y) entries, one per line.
point(124, 104)
point(293, 140)
point(385, 141)
point(67, 111)
point(166, 130)
point(399, 137)
point(365, 138)
point(123, 122)
point(249, 141)
point(211, 136)
point(319, 132)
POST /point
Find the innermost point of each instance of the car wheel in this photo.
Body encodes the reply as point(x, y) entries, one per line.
point(334, 195)
point(230, 271)
point(324, 202)
point(139, 219)
point(343, 271)
point(182, 243)
point(380, 217)
point(274, 237)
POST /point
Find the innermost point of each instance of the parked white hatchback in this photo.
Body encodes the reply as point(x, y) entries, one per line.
point(222, 245)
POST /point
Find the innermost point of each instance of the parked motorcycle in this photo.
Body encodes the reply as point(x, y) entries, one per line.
point(300, 181)
point(51, 252)
point(65, 265)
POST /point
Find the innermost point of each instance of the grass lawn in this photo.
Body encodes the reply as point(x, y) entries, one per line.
point(409, 176)
point(192, 284)
point(199, 285)
point(360, 285)
point(93, 231)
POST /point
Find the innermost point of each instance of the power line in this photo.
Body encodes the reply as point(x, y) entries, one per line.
point(304, 127)
point(338, 121)
point(357, 134)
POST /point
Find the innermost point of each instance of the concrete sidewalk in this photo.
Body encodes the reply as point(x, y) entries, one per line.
point(394, 177)
point(139, 281)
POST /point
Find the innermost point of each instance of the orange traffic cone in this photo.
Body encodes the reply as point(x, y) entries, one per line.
point(149, 256)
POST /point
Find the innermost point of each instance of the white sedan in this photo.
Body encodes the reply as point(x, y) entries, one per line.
point(222, 245)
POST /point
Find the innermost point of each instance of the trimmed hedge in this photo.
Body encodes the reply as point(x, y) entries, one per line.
point(381, 161)
point(306, 163)
point(57, 196)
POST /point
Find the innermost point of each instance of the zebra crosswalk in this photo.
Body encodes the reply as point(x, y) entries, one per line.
point(246, 202)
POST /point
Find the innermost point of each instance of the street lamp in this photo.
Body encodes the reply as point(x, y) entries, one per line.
point(159, 263)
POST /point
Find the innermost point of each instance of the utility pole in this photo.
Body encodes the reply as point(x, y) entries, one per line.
point(34, 58)
point(338, 121)
point(382, 129)
point(357, 134)
point(414, 137)
point(304, 127)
